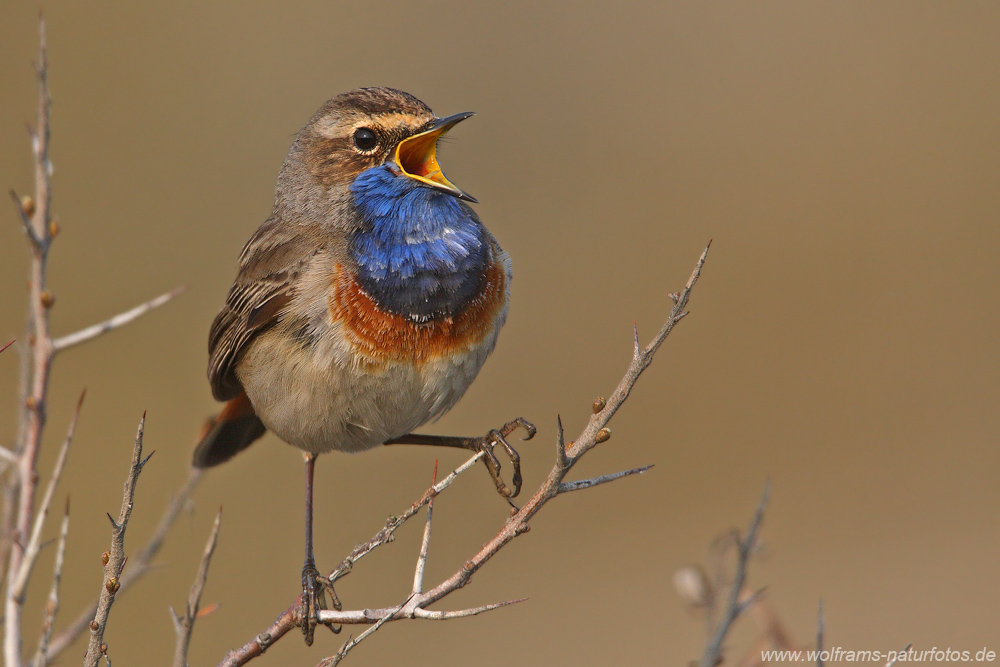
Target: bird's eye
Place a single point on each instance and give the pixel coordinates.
(365, 139)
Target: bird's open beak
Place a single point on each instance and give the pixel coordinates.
(416, 156)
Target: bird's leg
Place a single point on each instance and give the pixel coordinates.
(314, 585)
(484, 444)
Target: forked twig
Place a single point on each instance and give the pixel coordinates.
(139, 563)
(20, 523)
(567, 455)
(737, 602)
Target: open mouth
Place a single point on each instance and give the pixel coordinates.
(416, 156)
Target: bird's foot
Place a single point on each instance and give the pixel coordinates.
(314, 589)
(498, 436)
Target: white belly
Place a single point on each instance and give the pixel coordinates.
(320, 399)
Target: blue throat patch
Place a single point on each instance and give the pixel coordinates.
(421, 253)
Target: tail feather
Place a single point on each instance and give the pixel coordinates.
(228, 434)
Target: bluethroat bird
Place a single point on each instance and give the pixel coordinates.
(364, 306)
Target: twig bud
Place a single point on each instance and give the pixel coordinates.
(603, 435)
(692, 586)
(28, 205)
(31, 403)
(104, 649)
(105, 557)
(48, 300)
(599, 404)
(113, 585)
(95, 626)
(54, 229)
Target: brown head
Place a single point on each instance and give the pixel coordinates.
(357, 130)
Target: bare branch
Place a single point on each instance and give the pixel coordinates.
(92, 332)
(351, 642)
(566, 487)
(567, 455)
(425, 544)
(20, 581)
(115, 560)
(735, 605)
(288, 618)
(184, 625)
(139, 564)
(21, 524)
(52, 608)
(7, 345)
(36, 363)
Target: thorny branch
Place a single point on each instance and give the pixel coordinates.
(567, 455)
(138, 564)
(20, 524)
(114, 560)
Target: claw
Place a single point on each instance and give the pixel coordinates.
(314, 589)
(499, 437)
(511, 426)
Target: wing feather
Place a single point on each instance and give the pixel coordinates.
(270, 263)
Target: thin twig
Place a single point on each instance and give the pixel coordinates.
(566, 487)
(138, 564)
(351, 642)
(120, 320)
(568, 454)
(895, 658)
(425, 544)
(116, 557)
(52, 608)
(7, 345)
(736, 604)
(184, 625)
(35, 542)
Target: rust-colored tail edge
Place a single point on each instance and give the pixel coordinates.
(230, 432)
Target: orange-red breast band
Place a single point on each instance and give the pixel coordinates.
(226, 435)
(382, 337)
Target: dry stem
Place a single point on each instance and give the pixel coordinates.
(737, 601)
(567, 456)
(183, 626)
(139, 564)
(52, 608)
(21, 525)
(115, 559)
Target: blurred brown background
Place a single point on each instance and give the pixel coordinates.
(844, 158)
